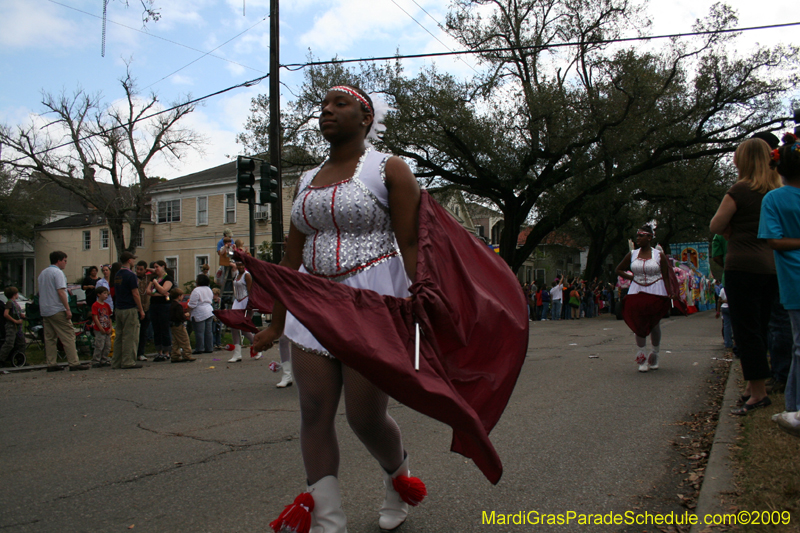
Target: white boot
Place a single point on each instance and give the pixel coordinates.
(652, 360)
(327, 516)
(286, 380)
(394, 510)
(641, 360)
(237, 354)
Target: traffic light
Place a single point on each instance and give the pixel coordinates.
(269, 184)
(245, 179)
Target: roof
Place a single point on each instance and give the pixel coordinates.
(76, 221)
(81, 220)
(553, 237)
(223, 173)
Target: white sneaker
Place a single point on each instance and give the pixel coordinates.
(652, 361)
(789, 422)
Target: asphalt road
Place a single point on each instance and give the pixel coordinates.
(214, 447)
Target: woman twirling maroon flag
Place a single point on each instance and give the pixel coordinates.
(473, 322)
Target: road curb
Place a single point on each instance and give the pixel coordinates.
(718, 478)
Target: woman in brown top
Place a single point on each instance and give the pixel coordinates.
(751, 282)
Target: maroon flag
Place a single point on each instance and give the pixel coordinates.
(472, 315)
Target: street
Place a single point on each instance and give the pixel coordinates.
(214, 447)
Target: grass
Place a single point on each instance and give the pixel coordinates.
(768, 468)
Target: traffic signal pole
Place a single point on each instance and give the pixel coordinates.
(275, 132)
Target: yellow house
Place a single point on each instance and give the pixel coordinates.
(87, 241)
(188, 216)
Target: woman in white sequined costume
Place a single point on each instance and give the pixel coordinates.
(242, 281)
(647, 300)
(354, 221)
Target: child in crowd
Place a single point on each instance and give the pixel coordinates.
(239, 246)
(101, 317)
(216, 302)
(178, 315)
(780, 226)
(13, 315)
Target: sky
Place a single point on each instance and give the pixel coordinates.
(203, 46)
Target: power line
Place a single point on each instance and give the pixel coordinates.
(429, 33)
(298, 66)
(249, 83)
(209, 52)
(157, 36)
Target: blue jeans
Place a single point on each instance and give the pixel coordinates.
(727, 332)
(217, 329)
(792, 395)
(556, 309)
(779, 342)
(545, 310)
(203, 335)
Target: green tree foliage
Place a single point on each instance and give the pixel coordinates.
(549, 129)
(23, 205)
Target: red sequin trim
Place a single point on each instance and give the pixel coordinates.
(356, 269)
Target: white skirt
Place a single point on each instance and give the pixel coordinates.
(386, 278)
(240, 305)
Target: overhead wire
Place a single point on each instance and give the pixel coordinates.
(248, 83)
(158, 37)
(209, 52)
(298, 66)
(429, 32)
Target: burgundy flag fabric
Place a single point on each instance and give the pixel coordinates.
(237, 319)
(472, 315)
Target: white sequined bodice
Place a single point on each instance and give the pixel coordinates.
(646, 271)
(347, 224)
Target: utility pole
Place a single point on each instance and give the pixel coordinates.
(275, 130)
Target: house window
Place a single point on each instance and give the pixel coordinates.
(202, 210)
(139, 240)
(479, 230)
(172, 265)
(87, 240)
(169, 211)
(199, 261)
(104, 239)
(230, 208)
(541, 275)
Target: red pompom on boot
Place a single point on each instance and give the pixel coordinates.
(401, 491)
(296, 517)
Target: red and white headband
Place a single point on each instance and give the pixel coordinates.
(355, 94)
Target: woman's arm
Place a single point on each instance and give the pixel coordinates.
(624, 267)
(784, 245)
(194, 299)
(164, 289)
(721, 223)
(248, 279)
(404, 198)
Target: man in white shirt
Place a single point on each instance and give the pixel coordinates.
(56, 316)
(556, 295)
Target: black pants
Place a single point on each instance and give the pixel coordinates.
(750, 297)
(143, 325)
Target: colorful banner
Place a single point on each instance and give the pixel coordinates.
(696, 253)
